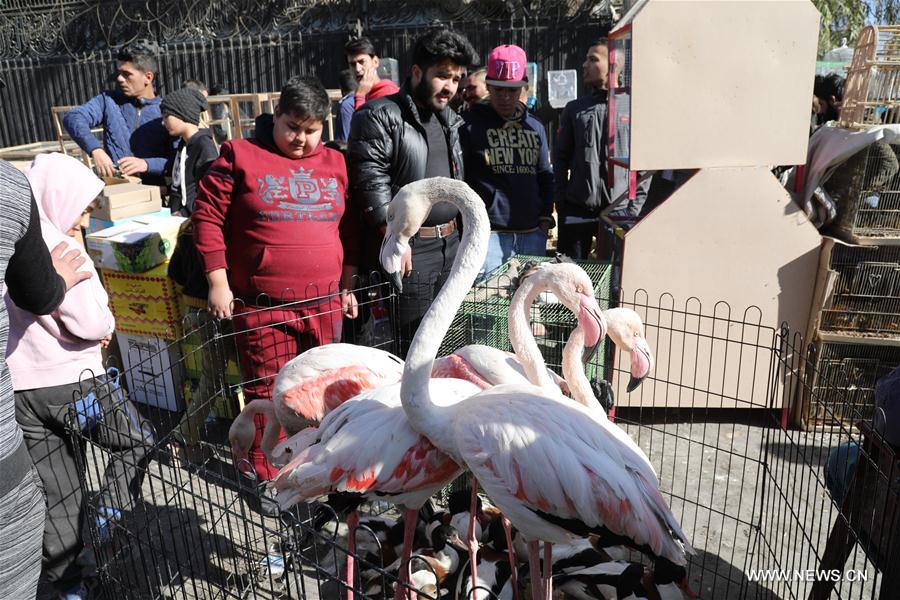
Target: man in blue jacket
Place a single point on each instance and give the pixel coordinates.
(507, 162)
(134, 139)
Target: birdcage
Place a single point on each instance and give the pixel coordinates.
(843, 377)
(750, 494)
(866, 190)
(483, 317)
(872, 90)
(865, 301)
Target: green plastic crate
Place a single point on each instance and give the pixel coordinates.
(483, 317)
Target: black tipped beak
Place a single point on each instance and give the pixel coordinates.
(633, 383)
(396, 281)
(589, 352)
(458, 544)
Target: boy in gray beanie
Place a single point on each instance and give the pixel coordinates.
(181, 116)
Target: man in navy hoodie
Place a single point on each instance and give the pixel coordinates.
(134, 139)
(507, 162)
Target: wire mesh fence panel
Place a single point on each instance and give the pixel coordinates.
(169, 515)
(828, 518)
(484, 315)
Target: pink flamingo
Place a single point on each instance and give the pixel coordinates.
(315, 382)
(554, 467)
(366, 445)
(243, 431)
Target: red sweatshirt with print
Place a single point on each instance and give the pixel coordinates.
(280, 225)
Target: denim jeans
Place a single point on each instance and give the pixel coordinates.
(503, 244)
(839, 470)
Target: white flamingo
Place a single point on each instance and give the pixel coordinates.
(320, 379)
(554, 467)
(366, 445)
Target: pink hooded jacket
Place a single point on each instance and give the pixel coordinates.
(57, 349)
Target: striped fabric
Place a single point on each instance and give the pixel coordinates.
(15, 210)
(21, 527)
(22, 508)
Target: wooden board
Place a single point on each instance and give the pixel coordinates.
(727, 235)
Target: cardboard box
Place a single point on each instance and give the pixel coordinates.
(135, 246)
(152, 371)
(144, 303)
(122, 198)
(96, 224)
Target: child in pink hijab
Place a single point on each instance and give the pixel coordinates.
(53, 360)
(55, 349)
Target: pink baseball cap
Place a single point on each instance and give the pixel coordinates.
(506, 67)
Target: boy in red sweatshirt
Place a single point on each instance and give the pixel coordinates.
(273, 230)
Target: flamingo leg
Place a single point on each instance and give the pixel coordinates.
(548, 571)
(534, 568)
(514, 576)
(352, 524)
(410, 518)
(413, 592)
(472, 542)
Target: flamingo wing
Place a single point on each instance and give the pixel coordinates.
(496, 367)
(556, 470)
(320, 379)
(367, 446)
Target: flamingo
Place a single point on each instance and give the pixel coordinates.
(486, 366)
(554, 467)
(626, 330)
(366, 444)
(623, 325)
(315, 382)
(243, 431)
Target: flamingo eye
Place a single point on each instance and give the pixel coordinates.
(579, 289)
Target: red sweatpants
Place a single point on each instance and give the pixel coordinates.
(267, 338)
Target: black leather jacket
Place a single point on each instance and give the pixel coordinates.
(388, 148)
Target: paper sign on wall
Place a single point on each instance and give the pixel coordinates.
(562, 87)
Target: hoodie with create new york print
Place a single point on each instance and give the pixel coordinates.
(282, 226)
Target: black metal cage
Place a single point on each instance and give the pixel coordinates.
(756, 498)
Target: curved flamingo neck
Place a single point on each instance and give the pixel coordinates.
(520, 335)
(573, 371)
(424, 416)
(273, 426)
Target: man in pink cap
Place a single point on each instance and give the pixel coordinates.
(507, 161)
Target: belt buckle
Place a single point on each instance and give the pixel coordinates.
(438, 233)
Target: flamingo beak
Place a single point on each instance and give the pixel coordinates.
(396, 281)
(593, 323)
(458, 544)
(392, 254)
(641, 363)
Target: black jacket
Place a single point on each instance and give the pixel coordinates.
(388, 148)
(579, 160)
(201, 152)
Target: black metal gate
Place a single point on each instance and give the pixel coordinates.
(61, 52)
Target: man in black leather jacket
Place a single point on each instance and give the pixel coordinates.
(403, 138)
